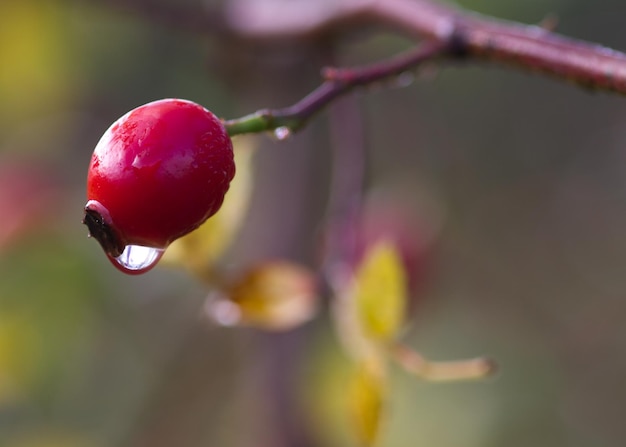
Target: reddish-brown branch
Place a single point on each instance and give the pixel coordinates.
(532, 48)
(589, 65)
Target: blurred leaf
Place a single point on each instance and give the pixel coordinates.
(52, 438)
(366, 397)
(20, 352)
(381, 292)
(349, 327)
(48, 296)
(200, 249)
(29, 198)
(276, 296)
(35, 58)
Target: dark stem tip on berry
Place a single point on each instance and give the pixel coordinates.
(103, 232)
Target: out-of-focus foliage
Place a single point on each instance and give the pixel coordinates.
(38, 65)
(52, 438)
(276, 295)
(367, 394)
(370, 313)
(380, 293)
(529, 265)
(369, 307)
(29, 194)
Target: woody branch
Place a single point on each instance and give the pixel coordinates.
(446, 31)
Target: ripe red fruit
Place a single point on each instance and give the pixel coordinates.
(155, 175)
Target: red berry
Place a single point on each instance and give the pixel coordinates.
(155, 175)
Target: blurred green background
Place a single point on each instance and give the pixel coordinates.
(526, 175)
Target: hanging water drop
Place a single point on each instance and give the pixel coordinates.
(404, 79)
(282, 133)
(137, 259)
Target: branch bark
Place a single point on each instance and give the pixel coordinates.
(478, 37)
(528, 47)
(532, 48)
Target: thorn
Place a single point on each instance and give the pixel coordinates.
(333, 74)
(549, 22)
(329, 73)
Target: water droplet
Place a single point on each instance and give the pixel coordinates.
(223, 311)
(404, 79)
(282, 133)
(137, 259)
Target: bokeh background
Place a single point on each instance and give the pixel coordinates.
(522, 177)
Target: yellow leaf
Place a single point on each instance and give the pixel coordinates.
(199, 250)
(275, 295)
(52, 437)
(380, 292)
(20, 355)
(349, 328)
(36, 61)
(366, 398)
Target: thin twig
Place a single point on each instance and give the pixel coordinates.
(337, 83)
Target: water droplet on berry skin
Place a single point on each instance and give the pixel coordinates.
(137, 259)
(282, 133)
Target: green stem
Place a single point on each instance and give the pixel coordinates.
(253, 123)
